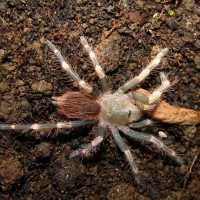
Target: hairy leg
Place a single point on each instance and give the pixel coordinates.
(90, 146)
(143, 123)
(124, 148)
(145, 72)
(66, 66)
(150, 138)
(98, 69)
(58, 125)
(165, 84)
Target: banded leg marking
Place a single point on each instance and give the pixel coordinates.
(66, 66)
(165, 84)
(160, 90)
(135, 81)
(124, 148)
(98, 69)
(150, 138)
(90, 146)
(58, 125)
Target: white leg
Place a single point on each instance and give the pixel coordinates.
(150, 138)
(98, 69)
(135, 81)
(160, 90)
(124, 148)
(66, 66)
(165, 84)
(58, 125)
(85, 151)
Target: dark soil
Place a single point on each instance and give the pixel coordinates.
(35, 165)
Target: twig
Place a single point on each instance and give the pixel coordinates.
(190, 168)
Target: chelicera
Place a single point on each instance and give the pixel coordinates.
(119, 111)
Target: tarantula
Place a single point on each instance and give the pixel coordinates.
(119, 111)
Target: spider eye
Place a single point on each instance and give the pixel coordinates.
(129, 113)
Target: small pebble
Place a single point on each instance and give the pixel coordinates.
(162, 134)
(42, 86)
(43, 150)
(190, 131)
(172, 24)
(10, 172)
(198, 26)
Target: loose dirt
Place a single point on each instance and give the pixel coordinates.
(35, 165)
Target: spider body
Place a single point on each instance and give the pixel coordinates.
(117, 111)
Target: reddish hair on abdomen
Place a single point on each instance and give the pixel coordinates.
(78, 105)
